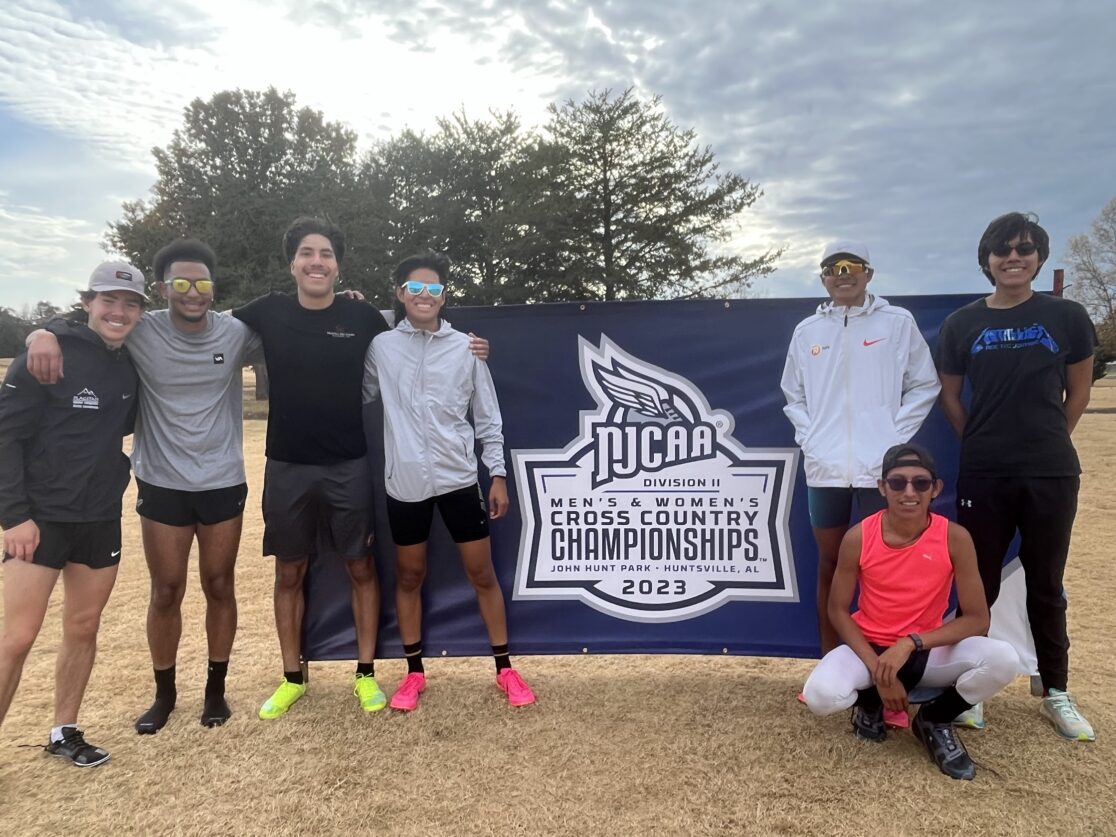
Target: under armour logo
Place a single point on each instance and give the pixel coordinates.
(965, 504)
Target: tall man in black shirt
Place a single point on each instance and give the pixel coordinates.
(1029, 360)
(317, 481)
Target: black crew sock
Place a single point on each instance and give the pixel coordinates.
(500, 654)
(945, 707)
(413, 653)
(215, 709)
(166, 694)
(869, 699)
(215, 677)
(367, 669)
(294, 676)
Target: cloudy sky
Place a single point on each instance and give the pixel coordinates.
(908, 125)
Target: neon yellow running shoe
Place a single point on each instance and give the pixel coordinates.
(368, 692)
(282, 700)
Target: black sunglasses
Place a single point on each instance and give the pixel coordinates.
(921, 484)
(1023, 248)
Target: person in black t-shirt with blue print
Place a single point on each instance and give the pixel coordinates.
(1029, 361)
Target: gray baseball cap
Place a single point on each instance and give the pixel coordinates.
(118, 276)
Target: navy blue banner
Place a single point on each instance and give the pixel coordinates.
(657, 497)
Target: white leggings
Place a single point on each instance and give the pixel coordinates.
(978, 666)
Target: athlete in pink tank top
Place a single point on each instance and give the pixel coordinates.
(905, 560)
(903, 589)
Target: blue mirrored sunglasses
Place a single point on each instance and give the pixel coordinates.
(416, 288)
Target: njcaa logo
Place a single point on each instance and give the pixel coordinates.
(654, 512)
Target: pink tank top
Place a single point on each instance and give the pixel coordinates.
(903, 590)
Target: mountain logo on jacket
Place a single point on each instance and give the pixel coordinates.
(654, 511)
(87, 400)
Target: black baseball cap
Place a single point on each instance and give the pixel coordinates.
(909, 453)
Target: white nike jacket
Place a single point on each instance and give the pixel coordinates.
(857, 381)
(430, 382)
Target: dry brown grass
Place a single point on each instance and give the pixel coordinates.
(629, 745)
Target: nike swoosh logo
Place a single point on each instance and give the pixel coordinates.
(874, 342)
(114, 554)
(126, 397)
(13, 386)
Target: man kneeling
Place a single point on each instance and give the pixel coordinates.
(906, 559)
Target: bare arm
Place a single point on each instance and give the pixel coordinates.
(883, 667)
(974, 618)
(841, 595)
(1079, 385)
(950, 399)
(498, 498)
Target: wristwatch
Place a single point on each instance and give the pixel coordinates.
(917, 640)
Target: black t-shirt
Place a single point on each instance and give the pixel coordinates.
(1015, 359)
(315, 366)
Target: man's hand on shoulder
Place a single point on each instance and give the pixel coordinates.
(44, 356)
(478, 346)
(351, 293)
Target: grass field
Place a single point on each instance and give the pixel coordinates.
(624, 745)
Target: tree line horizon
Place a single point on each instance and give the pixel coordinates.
(608, 200)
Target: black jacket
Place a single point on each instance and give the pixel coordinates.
(60, 445)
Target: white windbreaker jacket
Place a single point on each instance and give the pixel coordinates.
(857, 381)
(429, 381)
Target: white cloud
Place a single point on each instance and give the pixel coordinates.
(37, 252)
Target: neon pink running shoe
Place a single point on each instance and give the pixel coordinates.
(518, 692)
(897, 720)
(406, 697)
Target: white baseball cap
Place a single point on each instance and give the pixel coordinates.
(845, 248)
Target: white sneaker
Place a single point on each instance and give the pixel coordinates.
(972, 718)
(1060, 709)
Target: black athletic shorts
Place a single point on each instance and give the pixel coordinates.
(96, 545)
(174, 507)
(302, 501)
(463, 511)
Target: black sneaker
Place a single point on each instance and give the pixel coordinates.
(74, 747)
(944, 747)
(868, 724)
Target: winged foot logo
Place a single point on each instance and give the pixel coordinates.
(654, 512)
